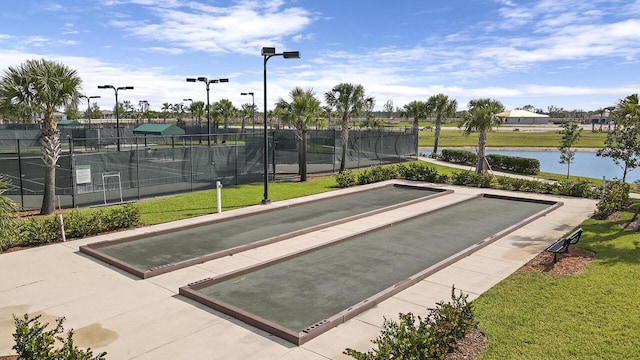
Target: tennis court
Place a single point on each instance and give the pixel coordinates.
(301, 295)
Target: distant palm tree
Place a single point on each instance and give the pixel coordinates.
(43, 86)
(224, 108)
(481, 117)
(349, 101)
(166, 108)
(442, 107)
(416, 110)
(303, 111)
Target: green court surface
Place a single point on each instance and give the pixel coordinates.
(141, 255)
(308, 289)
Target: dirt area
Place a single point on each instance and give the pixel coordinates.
(571, 263)
(471, 346)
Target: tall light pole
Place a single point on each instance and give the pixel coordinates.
(116, 89)
(190, 103)
(89, 106)
(208, 81)
(268, 53)
(253, 107)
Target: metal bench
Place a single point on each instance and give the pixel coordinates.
(562, 245)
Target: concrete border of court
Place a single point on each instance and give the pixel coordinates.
(192, 291)
(111, 310)
(94, 248)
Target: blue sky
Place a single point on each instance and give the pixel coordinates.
(570, 54)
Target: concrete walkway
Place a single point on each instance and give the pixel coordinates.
(131, 318)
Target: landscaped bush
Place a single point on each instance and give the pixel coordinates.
(614, 198)
(514, 164)
(458, 156)
(470, 178)
(419, 171)
(44, 230)
(376, 174)
(33, 341)
(417, 338)
(580, 188)
(346, 179)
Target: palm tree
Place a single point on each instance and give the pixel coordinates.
(481, 117)
(442, 107)
(165, 111)
(245, 112)
(303, 111)
(349, 101)
(225, 108)
(416, 110)
(43, 86)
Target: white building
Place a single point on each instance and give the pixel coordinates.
(518, 117)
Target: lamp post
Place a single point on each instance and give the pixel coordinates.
(190, 104)
(253, 107)
(116, 89)
(89, 106)
(268, 53)
(208, 81)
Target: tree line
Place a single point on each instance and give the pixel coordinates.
(43, 87)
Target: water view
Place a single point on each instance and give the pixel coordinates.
(584, 164)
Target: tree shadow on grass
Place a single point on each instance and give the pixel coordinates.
(612, 241)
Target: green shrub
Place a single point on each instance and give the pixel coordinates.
(458, 156)
(38, 231)
(419, 171)
(580, 188)
(614, 198)
(514, 164)
(33, 341)
(376, 174)
(346, 179)
(470, 178)
(78, 224)
(416, 338)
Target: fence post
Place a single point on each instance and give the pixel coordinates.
(20, 175)
(334, 150)
(73, 180)
(138, 166)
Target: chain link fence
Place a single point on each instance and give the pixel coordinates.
(92, 172)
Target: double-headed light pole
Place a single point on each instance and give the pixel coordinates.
(116, 89)
(253, 107)
(268, 53)
(89, 106)
(207, 82)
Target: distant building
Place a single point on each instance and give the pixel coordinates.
(522, 117)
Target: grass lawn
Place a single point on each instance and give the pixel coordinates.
(233, 197)
(509, 139)
(593, 315)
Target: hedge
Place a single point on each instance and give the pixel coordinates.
(77, 224)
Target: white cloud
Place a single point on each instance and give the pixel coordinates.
(240, 28)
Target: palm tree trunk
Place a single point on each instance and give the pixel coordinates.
(482, 162)
(50, 153)
(345, 143)
(437, 135)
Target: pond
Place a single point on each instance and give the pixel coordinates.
(585, 163)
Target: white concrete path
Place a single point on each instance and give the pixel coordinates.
(131, 318)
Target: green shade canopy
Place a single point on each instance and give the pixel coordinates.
(158, 129)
